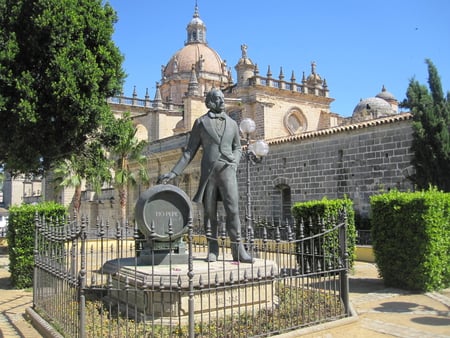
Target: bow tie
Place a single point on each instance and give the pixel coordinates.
(217, 116)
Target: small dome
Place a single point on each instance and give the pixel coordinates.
(203, 57)
(314, 78)
(372, 107)
(196, 21)
(385, 95)
(245, 61)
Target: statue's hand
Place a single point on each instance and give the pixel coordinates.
(164, 179)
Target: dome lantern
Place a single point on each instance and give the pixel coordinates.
(196, 29)
(194, 57)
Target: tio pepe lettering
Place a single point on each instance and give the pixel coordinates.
(166, 213)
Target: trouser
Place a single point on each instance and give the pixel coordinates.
(222, 182)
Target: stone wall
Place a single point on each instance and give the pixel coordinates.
(355, 161)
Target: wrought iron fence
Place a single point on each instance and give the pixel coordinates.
(100, 287)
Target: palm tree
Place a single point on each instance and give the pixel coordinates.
(126, 149)
(90, 166)
(69, 174)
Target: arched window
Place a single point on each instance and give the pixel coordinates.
(286, 203)
(141, 133)
(282, 203)
(295, 122)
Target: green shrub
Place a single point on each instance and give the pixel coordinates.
(21, 234)
(328, 210)
(411, 238)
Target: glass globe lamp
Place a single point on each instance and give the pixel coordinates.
(260, 148)
(247, 126)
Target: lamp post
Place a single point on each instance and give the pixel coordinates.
(254, 153)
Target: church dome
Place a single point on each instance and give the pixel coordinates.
(196, 54)
(370, 108)
(204, 58)
(385, 95)
(195, 62)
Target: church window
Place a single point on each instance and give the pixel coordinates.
(286, 203)
(141, 132)
(282, 204)
(295, 122)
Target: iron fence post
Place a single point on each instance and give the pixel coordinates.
(82, 280)
(191, 280)
(344, 285)
(36, 252)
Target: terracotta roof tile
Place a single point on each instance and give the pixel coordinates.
(339, 129)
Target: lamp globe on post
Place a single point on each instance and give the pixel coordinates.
(247, 127)
(260, 148)
(254, 153)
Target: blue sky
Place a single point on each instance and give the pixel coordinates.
(358, 46)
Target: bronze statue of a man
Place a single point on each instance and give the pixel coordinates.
(218, 134)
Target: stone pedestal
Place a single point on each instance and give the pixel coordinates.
(220, 288)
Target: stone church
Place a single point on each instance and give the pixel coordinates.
(314, 153)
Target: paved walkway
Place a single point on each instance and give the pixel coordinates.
(13, 304)
(387, 312)
(382, 312)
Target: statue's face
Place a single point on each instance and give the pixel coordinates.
(216, 102)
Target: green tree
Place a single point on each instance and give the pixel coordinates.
(90, 166)
(98, 171)
(67, 174)
(431, 125)
(127, 152)
(58, 64)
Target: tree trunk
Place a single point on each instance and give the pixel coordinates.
(77, 201)
(123, 196)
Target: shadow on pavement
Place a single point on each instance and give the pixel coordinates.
(432, 321)
(365, 285)
(399, 307)
(5, 283)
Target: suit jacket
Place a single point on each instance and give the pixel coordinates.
(225, 148)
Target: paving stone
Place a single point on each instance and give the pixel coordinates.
(13, 304)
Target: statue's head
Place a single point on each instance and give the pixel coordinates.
(215, 100)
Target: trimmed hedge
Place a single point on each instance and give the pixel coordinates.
(328, 210)
(21, 234)
(411, 238)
